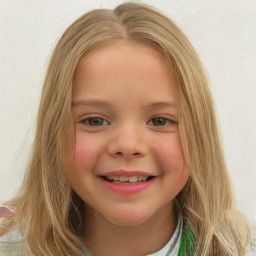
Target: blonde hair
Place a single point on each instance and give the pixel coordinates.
(49, 214)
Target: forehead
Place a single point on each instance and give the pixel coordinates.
(124, 66)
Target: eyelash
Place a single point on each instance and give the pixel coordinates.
(166, 121)
(87, 120)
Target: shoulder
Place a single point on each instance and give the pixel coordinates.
(251, 248)
(9, 243)
(12, 235)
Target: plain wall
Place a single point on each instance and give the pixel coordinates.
(223, 33)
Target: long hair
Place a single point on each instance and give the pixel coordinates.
(48, 213)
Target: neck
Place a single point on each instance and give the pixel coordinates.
(105, 238)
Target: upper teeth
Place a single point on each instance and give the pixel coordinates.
(127, 179)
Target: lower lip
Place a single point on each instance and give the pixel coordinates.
(126, 189)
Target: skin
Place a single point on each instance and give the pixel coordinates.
(115, 86)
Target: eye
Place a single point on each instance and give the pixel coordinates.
(160, 121)
(95, 121)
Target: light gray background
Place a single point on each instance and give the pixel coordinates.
(223, 33)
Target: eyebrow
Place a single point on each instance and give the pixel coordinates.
(100, 103)
(162, 104)
(90, 103)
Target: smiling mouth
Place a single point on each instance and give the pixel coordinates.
(127, 180)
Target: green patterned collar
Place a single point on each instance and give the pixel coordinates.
(186, 243)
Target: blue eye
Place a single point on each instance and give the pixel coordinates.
(91, 121)
(160, 121)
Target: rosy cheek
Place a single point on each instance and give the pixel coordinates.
(85, 151)
(169, 154)
(171, 149)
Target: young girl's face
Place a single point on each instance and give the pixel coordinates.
(127, 164)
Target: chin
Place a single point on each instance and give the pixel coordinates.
(127, 219)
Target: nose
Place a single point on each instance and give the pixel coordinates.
(128, 142)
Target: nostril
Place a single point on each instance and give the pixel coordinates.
(127, 149)
(127, 155)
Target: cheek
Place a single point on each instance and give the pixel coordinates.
(86, 150)
(169, 155)
(169, 151)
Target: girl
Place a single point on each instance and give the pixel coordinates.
(127, 158)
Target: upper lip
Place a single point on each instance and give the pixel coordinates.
(127, 173)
